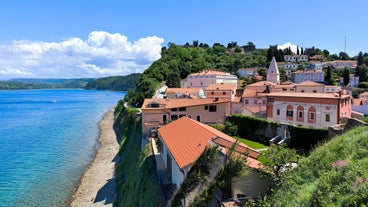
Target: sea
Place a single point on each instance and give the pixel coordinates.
(47, 140)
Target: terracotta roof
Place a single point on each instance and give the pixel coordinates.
(364, 94)
(183, 90)
(221, 86)
(262, 83)
(175, 103)
(307, 95)
(186, 139)
(253, 93)
(211, 72)
(308, 71)
(236, 99)
(357, 101)
(309, 83)
(255, 109)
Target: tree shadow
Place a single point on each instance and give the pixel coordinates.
(107, 193)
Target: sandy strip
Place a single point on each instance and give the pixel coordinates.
(97, 187)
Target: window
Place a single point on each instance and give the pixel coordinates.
(312, 115)
(327, 117)
(302, 91)
(300, 114)
(164, 118)
(174, 109)
(270, 100)
(278, 112)
(182, 109)
(289, 113)
(246, 101)
(255, 101)
(212, 108)
(314, 91)
(199, 118)
(206, 107)
(174, 117)
(264, 102)
(223, 93)
(212, 93)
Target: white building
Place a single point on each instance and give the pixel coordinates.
(296, 58)
(247, 72)
(207, 77)
(301, 76)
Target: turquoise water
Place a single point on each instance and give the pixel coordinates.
(47, 139)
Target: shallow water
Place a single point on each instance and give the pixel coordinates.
(47, 139)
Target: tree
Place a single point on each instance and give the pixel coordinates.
(360, 59)
(328, 76)
(362, 72)
(346, 76)
(326, 53)
(343, 56)
(278, 160)
(249, 47)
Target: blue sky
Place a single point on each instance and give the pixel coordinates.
(87, 38)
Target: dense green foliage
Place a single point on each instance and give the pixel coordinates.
(136, 182)
(43, 83)
(335, 174)
(114, 83)
(177, 62)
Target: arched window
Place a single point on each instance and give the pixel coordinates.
(289, 112)
(312, 115)
(300, 111)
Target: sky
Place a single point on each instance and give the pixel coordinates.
(99, 38)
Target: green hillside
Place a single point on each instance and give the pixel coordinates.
(335, 174)
(114, 83)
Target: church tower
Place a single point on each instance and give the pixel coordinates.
(273, 74)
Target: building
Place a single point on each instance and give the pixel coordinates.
(353, 81)
(301, 76)
(273, 74)
(341, 64)
(315, 66)
(296, 58)
(288, 65)
(319, 110)
(157, 112)
(184, 140)
(309, 87)
(207, 77)
(247, 72)
(185, 93)
(331, 89)
(221, 91)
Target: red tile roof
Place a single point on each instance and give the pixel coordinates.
(309, 83)
(307, 95)
(183, 90)
(221, 86)
(261, 83)
(186, 139)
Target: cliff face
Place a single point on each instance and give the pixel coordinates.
(136, 181)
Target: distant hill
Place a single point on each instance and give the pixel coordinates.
(44, 83)
(114, 83)
(335, 174)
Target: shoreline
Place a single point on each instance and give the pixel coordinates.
(97, 186)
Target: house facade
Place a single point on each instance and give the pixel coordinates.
(184, 140)
(184, 93)
(301, 76)
(288, 65)
(207, 77)
(309, 87)
(221, 91)
(157, 112)
(247, 72)
(341, 64)
(308, 109)
(295, 58)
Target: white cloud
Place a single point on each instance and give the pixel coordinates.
(102, 54)
(287, 45)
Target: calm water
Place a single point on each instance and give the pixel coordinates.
(47, 139)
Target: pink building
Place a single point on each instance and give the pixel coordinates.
(221, 91)
(157, 112)
(320, 110)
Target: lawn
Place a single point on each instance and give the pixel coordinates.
(252, 144)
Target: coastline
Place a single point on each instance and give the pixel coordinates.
(98, 184)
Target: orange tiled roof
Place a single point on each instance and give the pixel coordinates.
(307, 95)
(248, 93)
(309, 83)
(183, 90)
(357, 101)
(261, 83)
(221, 86)
(186, 139)
(364, 94)
(175, 103)
(211, 72)
(255, 109)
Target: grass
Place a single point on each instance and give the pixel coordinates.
(334, 174)
(252, 144)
